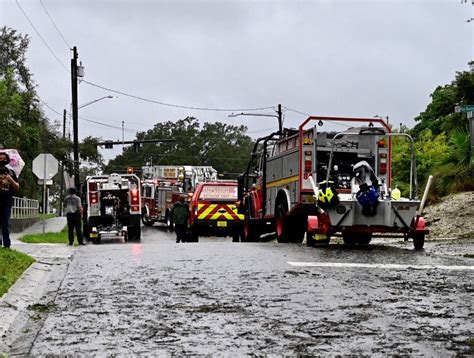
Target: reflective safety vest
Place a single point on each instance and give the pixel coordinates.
(327, 196)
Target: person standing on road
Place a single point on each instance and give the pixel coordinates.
(73, 210)
(8, 185)
(180, 215)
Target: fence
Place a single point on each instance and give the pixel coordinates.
(24, 208)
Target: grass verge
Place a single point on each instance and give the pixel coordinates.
(48, 238)
(12, 265)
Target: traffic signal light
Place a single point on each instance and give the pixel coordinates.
(129, 170)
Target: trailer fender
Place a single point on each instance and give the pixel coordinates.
(419, 225)
(313, 223)
(319, 224)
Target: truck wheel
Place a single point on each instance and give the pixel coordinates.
(419, 241)
(194, 235)
(249, 230)
(125, 236)
(86, 231)
(134, 233)
(236, 234)
(281, 223)
(145, 218)
(169, 221)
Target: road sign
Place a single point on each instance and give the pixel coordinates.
(48, 182)
(467, 108)
(45, 166)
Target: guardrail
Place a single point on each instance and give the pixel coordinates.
(24, 208)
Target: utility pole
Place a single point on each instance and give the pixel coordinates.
(123, 137)
(75, 117)
(280, 120)
(61, 193)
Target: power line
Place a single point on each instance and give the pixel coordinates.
(308, 115)
(52, 21)
(130, 130)
(175, 105)
(41, 37)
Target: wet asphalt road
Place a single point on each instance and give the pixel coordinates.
(222, 298)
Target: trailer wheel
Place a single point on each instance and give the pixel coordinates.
(419, 241)
(281, 223)
(348, 238)
(296, 229)
(364, 239)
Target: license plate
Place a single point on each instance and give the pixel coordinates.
(222, 223)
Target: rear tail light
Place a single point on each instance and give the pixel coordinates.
(135, 196)
(308, 165)
(383, 168)
(381, 143)
(92, 186)
(93, 198)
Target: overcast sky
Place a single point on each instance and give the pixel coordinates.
(348, 58)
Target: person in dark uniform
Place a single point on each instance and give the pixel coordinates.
(8, 185)
(73, 210)
(180, 215)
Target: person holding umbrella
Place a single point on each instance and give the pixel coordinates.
(8, 185)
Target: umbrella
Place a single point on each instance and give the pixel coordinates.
(16, 163)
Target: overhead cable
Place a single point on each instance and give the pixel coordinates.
(308, 115)
(175, 105)
(41, 37)
(54, 24)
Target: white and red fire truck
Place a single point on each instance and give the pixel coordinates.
(112, 207)
(319, 183)
(162, 186)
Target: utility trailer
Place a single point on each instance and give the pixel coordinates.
(292, 173)
(113, 207)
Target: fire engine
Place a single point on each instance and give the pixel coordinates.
(112, 207)
(213, 210)
(305, 181)
(162, 186)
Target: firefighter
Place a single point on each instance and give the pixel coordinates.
(180, 215)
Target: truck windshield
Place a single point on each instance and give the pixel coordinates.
(218, 192)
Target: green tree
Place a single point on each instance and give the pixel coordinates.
(455, 171)
(225, 147)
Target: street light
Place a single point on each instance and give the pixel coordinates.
(278, 116)
(96, 100)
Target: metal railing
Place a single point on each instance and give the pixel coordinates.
(24, 208)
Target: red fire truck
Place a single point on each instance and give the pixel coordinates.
(319, 183)
(214, 212)
(163, 184)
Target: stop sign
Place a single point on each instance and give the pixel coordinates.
(45, 166)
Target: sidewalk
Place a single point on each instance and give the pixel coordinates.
(38, 283)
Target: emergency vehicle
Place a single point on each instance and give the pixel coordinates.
(305, 181)
(213, 210)
(112, 207)
(162, 186)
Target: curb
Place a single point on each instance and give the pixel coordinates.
(38, 285)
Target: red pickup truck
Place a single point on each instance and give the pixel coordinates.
(214, 211)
